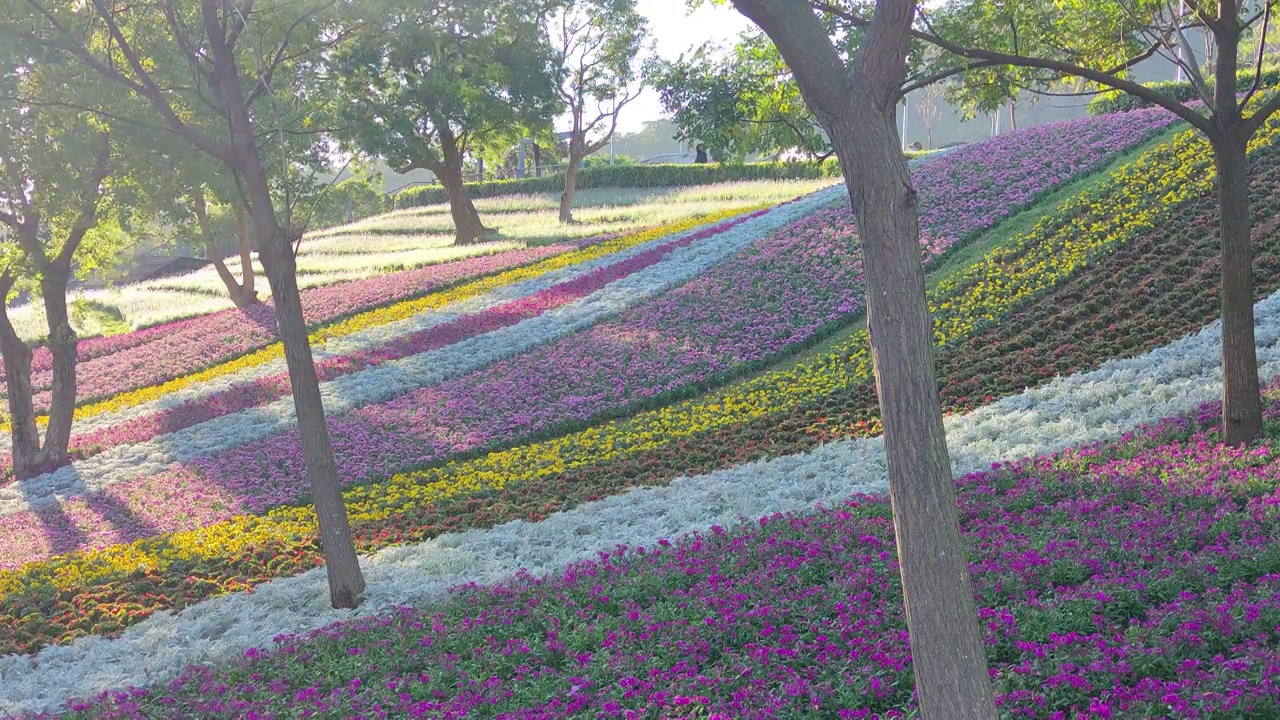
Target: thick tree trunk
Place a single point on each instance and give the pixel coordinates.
(466, 221)
(570, 186)
(467, 227)
(1241, 396)
(62, 346)
(946, 648)
(24, 433)
(857, 106)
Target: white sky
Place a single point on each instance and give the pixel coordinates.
(677, 31)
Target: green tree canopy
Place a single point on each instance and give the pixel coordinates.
(422, 85)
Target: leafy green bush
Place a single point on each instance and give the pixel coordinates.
(1116, 101)
(638, 176)
(365, 200)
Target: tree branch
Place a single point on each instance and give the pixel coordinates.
(1257, 67)
(88, 214)
(1195, 119)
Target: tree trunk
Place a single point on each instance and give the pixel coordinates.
(24, 433)
(1241, 396)
(570, 186)
(346, 581)
(857, 106)
(241, 295)
(467, 226)
(946, 647)
(62, 346)
(1013, 116)
(246, 255)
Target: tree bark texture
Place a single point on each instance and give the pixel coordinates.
(1241, 394)
(24, 433)
(31, 455)
(857, 107)
(467, 226)
(346, 581)
(62, 347)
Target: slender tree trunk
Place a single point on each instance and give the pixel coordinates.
(1241, 395)
(570, 186)
(62, 347)
(24, 433)
(346, 581)
(245, 236)
(1013, 116)
(241, 295)
(946, 648)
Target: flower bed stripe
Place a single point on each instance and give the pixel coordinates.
(392, 313)
(374, 335)
(1086, 408)
(184, 346)
(150, 460)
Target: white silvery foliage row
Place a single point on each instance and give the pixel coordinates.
(1082, 408)
(388, 380)
(375, 336)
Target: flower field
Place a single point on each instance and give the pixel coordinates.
(1168, 605)
(519, 416)
(136, 514)
(790, 286)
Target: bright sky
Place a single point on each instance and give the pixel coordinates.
(677, 31)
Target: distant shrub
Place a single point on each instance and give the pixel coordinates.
(630, 176)
(358, 193)
(1116, 101)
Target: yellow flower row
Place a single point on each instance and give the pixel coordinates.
(402, 310)
(986, 290)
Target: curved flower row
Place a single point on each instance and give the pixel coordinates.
(1085, 408)
(408, 507)
(1168, 606)
(382, 344)
(145, 472)
(392, 313)
(938, 242)
(373, 333)
(184, 346)
(320, 304)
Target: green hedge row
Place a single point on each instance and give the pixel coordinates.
(1116, 101)
(638, 176)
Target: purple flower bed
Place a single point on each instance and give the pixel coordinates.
(155, 355)
(769, 299)
(974, 186)
(1139, 579)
